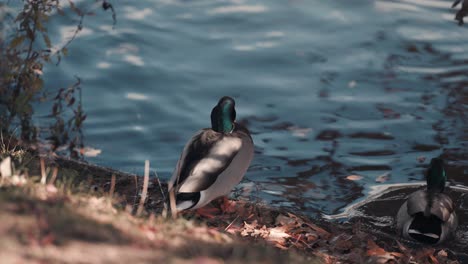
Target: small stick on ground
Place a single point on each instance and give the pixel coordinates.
(43, 172)
(112, 186)
(145, 188)
(227, 227)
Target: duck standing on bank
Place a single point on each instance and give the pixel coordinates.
(429, 215)
(214, 160)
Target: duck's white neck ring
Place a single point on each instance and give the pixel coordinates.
(233, 127)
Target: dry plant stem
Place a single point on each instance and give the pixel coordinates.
(162, 192)
(172, 202)
(136, 190)
(112, 187)
(145, 188)
(43, 172)
(54, 175)
(227, 227)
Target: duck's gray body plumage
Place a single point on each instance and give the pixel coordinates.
(211, 165)
(435, 228)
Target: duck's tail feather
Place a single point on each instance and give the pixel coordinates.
(185, 201)
(425, 229)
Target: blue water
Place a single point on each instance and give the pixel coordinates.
(327, 88)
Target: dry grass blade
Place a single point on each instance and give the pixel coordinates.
(172, 202)
(112, 186)
(161, 189)
(227, 227)
(43, 172)
(145, 188)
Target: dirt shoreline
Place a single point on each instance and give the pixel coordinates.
(246, 233)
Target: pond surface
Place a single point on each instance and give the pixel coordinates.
(327, 88)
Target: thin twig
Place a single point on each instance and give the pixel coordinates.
(161, 189)
(145, 188)
(112, 187)
(227, 227)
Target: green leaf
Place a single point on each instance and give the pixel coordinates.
(17, 41)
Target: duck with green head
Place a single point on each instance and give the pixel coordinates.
(214, 160)
(429, 215)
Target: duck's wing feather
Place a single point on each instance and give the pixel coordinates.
(205, 156)
(417, 202)
(442, 207)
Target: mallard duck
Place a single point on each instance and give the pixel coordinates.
(214, 160)
(429, 215)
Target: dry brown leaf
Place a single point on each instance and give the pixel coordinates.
(277, 235)
(374, 249)
(320, 231)
(353, 177)
(442, 253)
(433, 259)
(90, 152)
(285, 220)
(383, 178)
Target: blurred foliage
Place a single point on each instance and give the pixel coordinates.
(25, 48)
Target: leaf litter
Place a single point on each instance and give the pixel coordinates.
(332, 244)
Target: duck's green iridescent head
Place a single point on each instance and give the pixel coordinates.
(436, 176)
(223, 115)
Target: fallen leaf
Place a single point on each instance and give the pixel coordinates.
(5, 167)
(442, 253)
(90, 152)
(320, 231)
(354, 177)
(284, 220)
(374, 249)
(277, 235)
(383, 178)
(433, 259)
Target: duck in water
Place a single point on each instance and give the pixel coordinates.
(429, 215)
